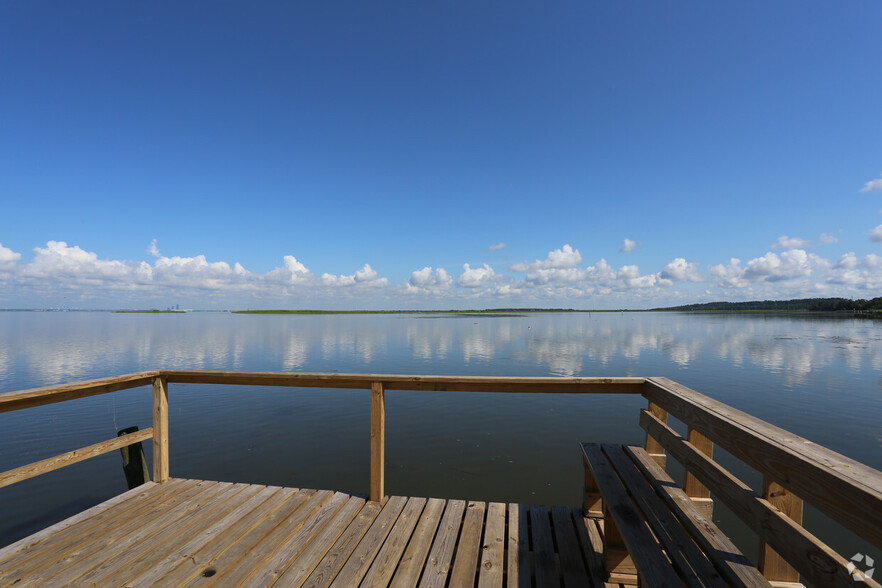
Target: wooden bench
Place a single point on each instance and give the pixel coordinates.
(653, 533)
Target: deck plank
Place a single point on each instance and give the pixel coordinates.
(65, 535)
(363, 555)
(177, 534)
(493, 547)
(205, 558)
(411, 565)
(236, 555)
(309, 558)
(572, 566)
(299, 541)
(219, 533)
(239, 516)
(336, 558)
(261, 549)
(380, 572)
(111, 550)
(79, 537)
(469, 548)
(518, 570)
(33, 541)
(543, 548)
(591, 545)
(438, 564)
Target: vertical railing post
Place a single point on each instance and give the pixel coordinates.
(694, 489)
(160, 429)
(774, 567)
(653, 447)
(378, 442)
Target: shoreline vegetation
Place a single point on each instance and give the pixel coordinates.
(154, 311)
(838, 306)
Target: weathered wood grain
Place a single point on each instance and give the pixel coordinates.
(438, 564)
(160, 426)
(21, 399)
(493, 548)
(381, 570)
(336, 558)
(651, 563)
(691, 563)
(360, 560)
(518, 571)
(310, 557)
(730, 562)
(411, 565)
(572, 566)
(469, 546)
(773, 566)
(244, 556)
(378, 442)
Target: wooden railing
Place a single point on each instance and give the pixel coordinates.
(376, 383)
(793, 468)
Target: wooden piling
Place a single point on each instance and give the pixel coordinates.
(134, 462)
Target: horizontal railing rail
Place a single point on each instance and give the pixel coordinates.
(414, 383)
(10, 401)
(45, 466)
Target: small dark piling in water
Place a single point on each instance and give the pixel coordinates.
(134, 463)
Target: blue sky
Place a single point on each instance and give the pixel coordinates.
(346, 155)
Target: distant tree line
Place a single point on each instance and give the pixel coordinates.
(802, 304)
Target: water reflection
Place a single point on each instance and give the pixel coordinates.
(47, 348)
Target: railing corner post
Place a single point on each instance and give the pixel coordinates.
(160, 429)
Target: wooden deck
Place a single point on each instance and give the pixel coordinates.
(191, 532)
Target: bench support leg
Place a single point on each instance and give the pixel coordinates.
(593, 504)
(618, 561)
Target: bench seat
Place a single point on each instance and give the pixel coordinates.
(654, 534)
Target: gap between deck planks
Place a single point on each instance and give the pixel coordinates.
(195, 533)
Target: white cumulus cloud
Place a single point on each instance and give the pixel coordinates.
(57, 259)
(876, 234)
(8, 258)
(291, 272)
(565, 257)
(730, 275)
(827, 239)
(366, 275)
(680, 270)
(497, 247)
(791, 264)
(629, 245)
(785, 242)
(426, 279)
(872, 185)
(153, 250)
(475, 277)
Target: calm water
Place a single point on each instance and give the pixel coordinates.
(818, 377)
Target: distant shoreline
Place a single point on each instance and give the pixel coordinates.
(813, 306)
(150, 311)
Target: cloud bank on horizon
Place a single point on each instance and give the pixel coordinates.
(60, 274)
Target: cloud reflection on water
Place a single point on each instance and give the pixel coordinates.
(47, 348)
